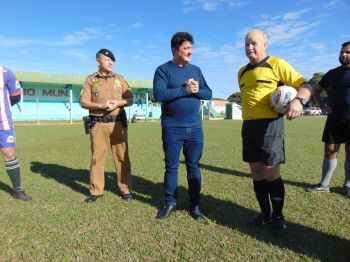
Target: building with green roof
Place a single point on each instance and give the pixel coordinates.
(56, 97)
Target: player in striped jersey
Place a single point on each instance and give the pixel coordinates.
(10, 94)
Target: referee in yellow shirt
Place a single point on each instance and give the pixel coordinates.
(263, 128)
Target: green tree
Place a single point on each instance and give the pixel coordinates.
(313, 82)
(316, 78)
(235, 97)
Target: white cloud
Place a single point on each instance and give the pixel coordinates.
(317, 63)
(80, 36)
(71, 39)
(8, 42)
(318, 46)
(76, 53)
(287, 28)
(325, 58)
(206, 52)
(225, 54)
(211, 5)
(293, 15)
(331, 3)
(151, 46)
(284, 17)
(336, 4)
(294, 36)
(289, 32)
(136, 25)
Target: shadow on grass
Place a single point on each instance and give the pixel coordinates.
(6, 188)
(301, 239)
(71, 177)
(337, 190)
(242, 174)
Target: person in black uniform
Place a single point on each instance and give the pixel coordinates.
(337, 128)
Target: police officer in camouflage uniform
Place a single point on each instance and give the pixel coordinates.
(105, 94)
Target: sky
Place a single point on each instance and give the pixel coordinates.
(63, 36)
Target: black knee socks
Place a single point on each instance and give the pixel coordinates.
(276, 191)
(12, 169)
(262, 195)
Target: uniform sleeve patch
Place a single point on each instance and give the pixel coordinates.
(18, 85)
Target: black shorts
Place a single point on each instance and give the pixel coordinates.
(263, 141)
(336, 131)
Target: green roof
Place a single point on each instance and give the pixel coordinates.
(44, 78)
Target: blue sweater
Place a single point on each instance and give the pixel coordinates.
(179, 109)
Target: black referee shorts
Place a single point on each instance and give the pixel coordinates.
(336, 131)
(263, 141)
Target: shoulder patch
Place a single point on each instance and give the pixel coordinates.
(94, 74)
(129, 88)
(82, 89)
(120, 76)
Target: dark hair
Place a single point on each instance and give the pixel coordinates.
(180, 37)
(345, 44)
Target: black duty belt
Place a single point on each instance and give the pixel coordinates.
(106, 119)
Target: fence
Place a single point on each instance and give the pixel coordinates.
(69, 110)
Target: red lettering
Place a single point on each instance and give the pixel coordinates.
(29, 91)
(53, 92)
(64, 93)
(47, 93)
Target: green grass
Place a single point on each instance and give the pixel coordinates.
(57, 225)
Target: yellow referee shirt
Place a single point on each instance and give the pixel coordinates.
(257, 82)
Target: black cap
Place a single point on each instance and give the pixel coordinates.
(345, 44)
(105, 52)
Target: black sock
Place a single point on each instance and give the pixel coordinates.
(262, 195)
(12, 169)
(276, 190)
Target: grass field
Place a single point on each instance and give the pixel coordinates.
(58, 226)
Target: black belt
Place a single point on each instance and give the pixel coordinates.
(106, 119)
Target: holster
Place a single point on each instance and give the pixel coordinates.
(88, 124)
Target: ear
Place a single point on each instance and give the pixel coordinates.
(98, 62)
(173, 50)
(266, 44)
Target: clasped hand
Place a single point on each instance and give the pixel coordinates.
(110, 105)
(192, 86)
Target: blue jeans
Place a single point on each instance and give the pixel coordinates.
(191, 140)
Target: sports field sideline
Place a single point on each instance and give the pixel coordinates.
(57, 225)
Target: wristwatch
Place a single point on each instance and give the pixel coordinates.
(302, 101)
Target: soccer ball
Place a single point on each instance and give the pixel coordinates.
(281, 98)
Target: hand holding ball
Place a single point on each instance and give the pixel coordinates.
(281, 98)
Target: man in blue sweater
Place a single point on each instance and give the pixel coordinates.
(180, 86)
